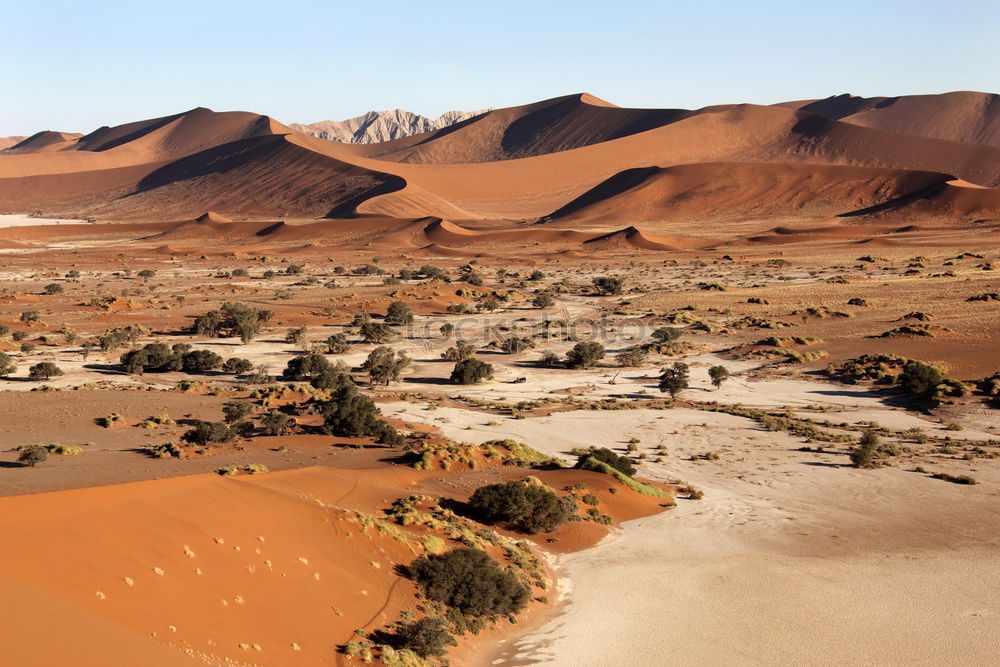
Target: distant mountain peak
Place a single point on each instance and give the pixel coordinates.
(378, 126)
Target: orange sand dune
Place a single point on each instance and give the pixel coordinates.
(522, 163)
(740, 191)
(203, 563)
(46, 140)
(964, 116)
(545, 127)
(142, 142)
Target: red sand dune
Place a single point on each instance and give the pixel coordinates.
(964, 116)
(594, 164)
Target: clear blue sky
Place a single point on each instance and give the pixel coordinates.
(73, 65)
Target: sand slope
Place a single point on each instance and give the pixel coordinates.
(204, 563)
(964, 116)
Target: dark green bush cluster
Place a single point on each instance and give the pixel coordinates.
(470, 581)
(233, 319)
(349, 414)
(471, 371)
(162, 358)
(205, 433)
(526, 507)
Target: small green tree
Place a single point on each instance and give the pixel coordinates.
(674, 379)
(622, 464)
(384, 365)
(45, 370)
(205, 433)
(543, 300)
(585, 354)
(337, 344)
(460, 352)
(398, 314)
(276, 423)
(237, 366)
(376, 332)
(718, 375)
(867, 453)
(471, 371)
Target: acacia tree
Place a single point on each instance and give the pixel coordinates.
(384, 365)
(718, 375)
(45, 370)
(674, 379)
(585, 354)
(471, 371)
(398, 314)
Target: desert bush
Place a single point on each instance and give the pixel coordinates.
(918, 377)
(632, 357)
(237, 366)
(550, 359)
(53, 288)
(515, 344)
(337, 344)
(376, 332)
(585, 354)
(32, 455)
(349, 414)
(674, 379)
(620, 463)
(471, 371)
(6, 365)
(205, 433)
(306, 367)
(276, 423)
(45, 370)
(460, 352)
(526, 507)
(427, 637)
(398, 314)
(471, 582)
(200, 361)
(608, 285)
(385, 365)
(718, 375)
(543, 300)
(955, 479)
(236, 411)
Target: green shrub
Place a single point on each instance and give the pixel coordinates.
(622, 464)
(471, 582)
(526, 507)
(471, 371)
(427, 637)
(205, 433)
(585, 354)
(32, 455)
